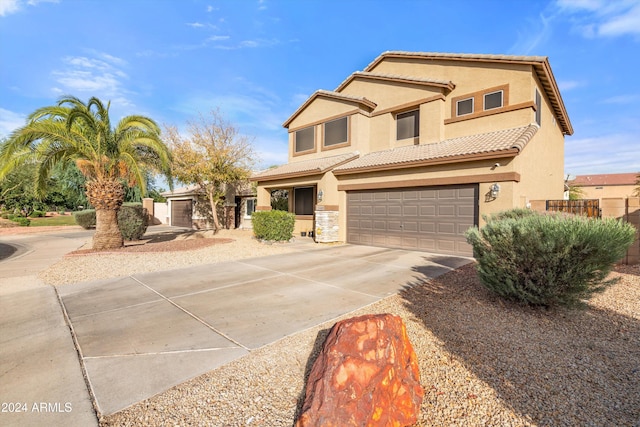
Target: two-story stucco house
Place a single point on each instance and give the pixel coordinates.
(412, 151)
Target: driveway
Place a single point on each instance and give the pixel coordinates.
(142, 334)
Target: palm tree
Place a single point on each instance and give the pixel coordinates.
(72, 131)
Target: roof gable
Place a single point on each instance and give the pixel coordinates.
(539, 63)
(445, 84)
(360, 101)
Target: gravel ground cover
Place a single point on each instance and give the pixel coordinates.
(483, 362)
(227, 245)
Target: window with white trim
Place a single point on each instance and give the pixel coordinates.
(464, 107)
(249, 207)
(493, 100)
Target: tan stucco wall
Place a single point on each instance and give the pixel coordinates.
(607, 191)
(539, 167)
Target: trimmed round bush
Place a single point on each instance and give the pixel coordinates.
(133, 221)
(86, 218)
(273, 225)
(548, 259)
(37, 214)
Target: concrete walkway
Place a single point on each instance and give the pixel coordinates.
(41, 380)
(140, 335)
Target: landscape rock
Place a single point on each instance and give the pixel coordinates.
(366, 375)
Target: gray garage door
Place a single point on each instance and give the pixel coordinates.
(181, 213)
(430, 219)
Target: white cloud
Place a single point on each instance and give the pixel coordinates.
(8, 7)
(597, 154)
(9, 121)
(195, 24)
(566, 85)
(97, 75)
(622, 99)
(603, 18)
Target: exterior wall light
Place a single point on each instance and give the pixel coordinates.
(495, 190)
(320, 195)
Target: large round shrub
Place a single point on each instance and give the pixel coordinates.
(548, 259)
(273, 225)
(132, 220)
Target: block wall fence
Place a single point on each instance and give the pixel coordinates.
(627, 210)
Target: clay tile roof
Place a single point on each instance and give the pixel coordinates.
(304, 168)
(606, 179)
(396, 78)
(540, 65)
(496, 144)
(360, 100)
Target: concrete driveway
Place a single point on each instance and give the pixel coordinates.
(142, 334)
(136, 336)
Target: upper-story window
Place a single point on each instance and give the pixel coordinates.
(493, 100)
(336, 132)
(464, 106)
(408, 124)
(481, 103)
(304, 140)
(538, 108)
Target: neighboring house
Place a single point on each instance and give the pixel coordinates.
(415, 149)
(187, 207)
(614, 185)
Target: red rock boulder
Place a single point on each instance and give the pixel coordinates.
(366, 375)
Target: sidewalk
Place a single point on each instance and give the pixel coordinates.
(41, 380)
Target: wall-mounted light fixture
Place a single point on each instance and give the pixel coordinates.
(320, 195)
(495, 190)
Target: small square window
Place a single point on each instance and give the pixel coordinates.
(464, 107)
(408, 125)
(305, 140)
(336, 132)
(493, 100)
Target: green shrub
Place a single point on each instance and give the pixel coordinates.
(22, 221)
(133, 221)
(5, 216)
(37, 214)
(546, 259)
(86, 218)
(273, 225)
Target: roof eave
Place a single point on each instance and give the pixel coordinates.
(512, 152)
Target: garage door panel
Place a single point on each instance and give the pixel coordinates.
(394, 210)
(446, 210)
(429, 218)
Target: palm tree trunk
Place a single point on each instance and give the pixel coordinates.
(106, 197)
(107, 234)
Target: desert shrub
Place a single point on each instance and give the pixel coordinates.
(22, 221)
(86, 218)
(133, 221)
(37, 214)
(548, 259)
(5, 216)
(273, 225)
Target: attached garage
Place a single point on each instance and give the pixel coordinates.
(181, 213)
(431, 219)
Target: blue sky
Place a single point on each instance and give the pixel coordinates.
(259, 60)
